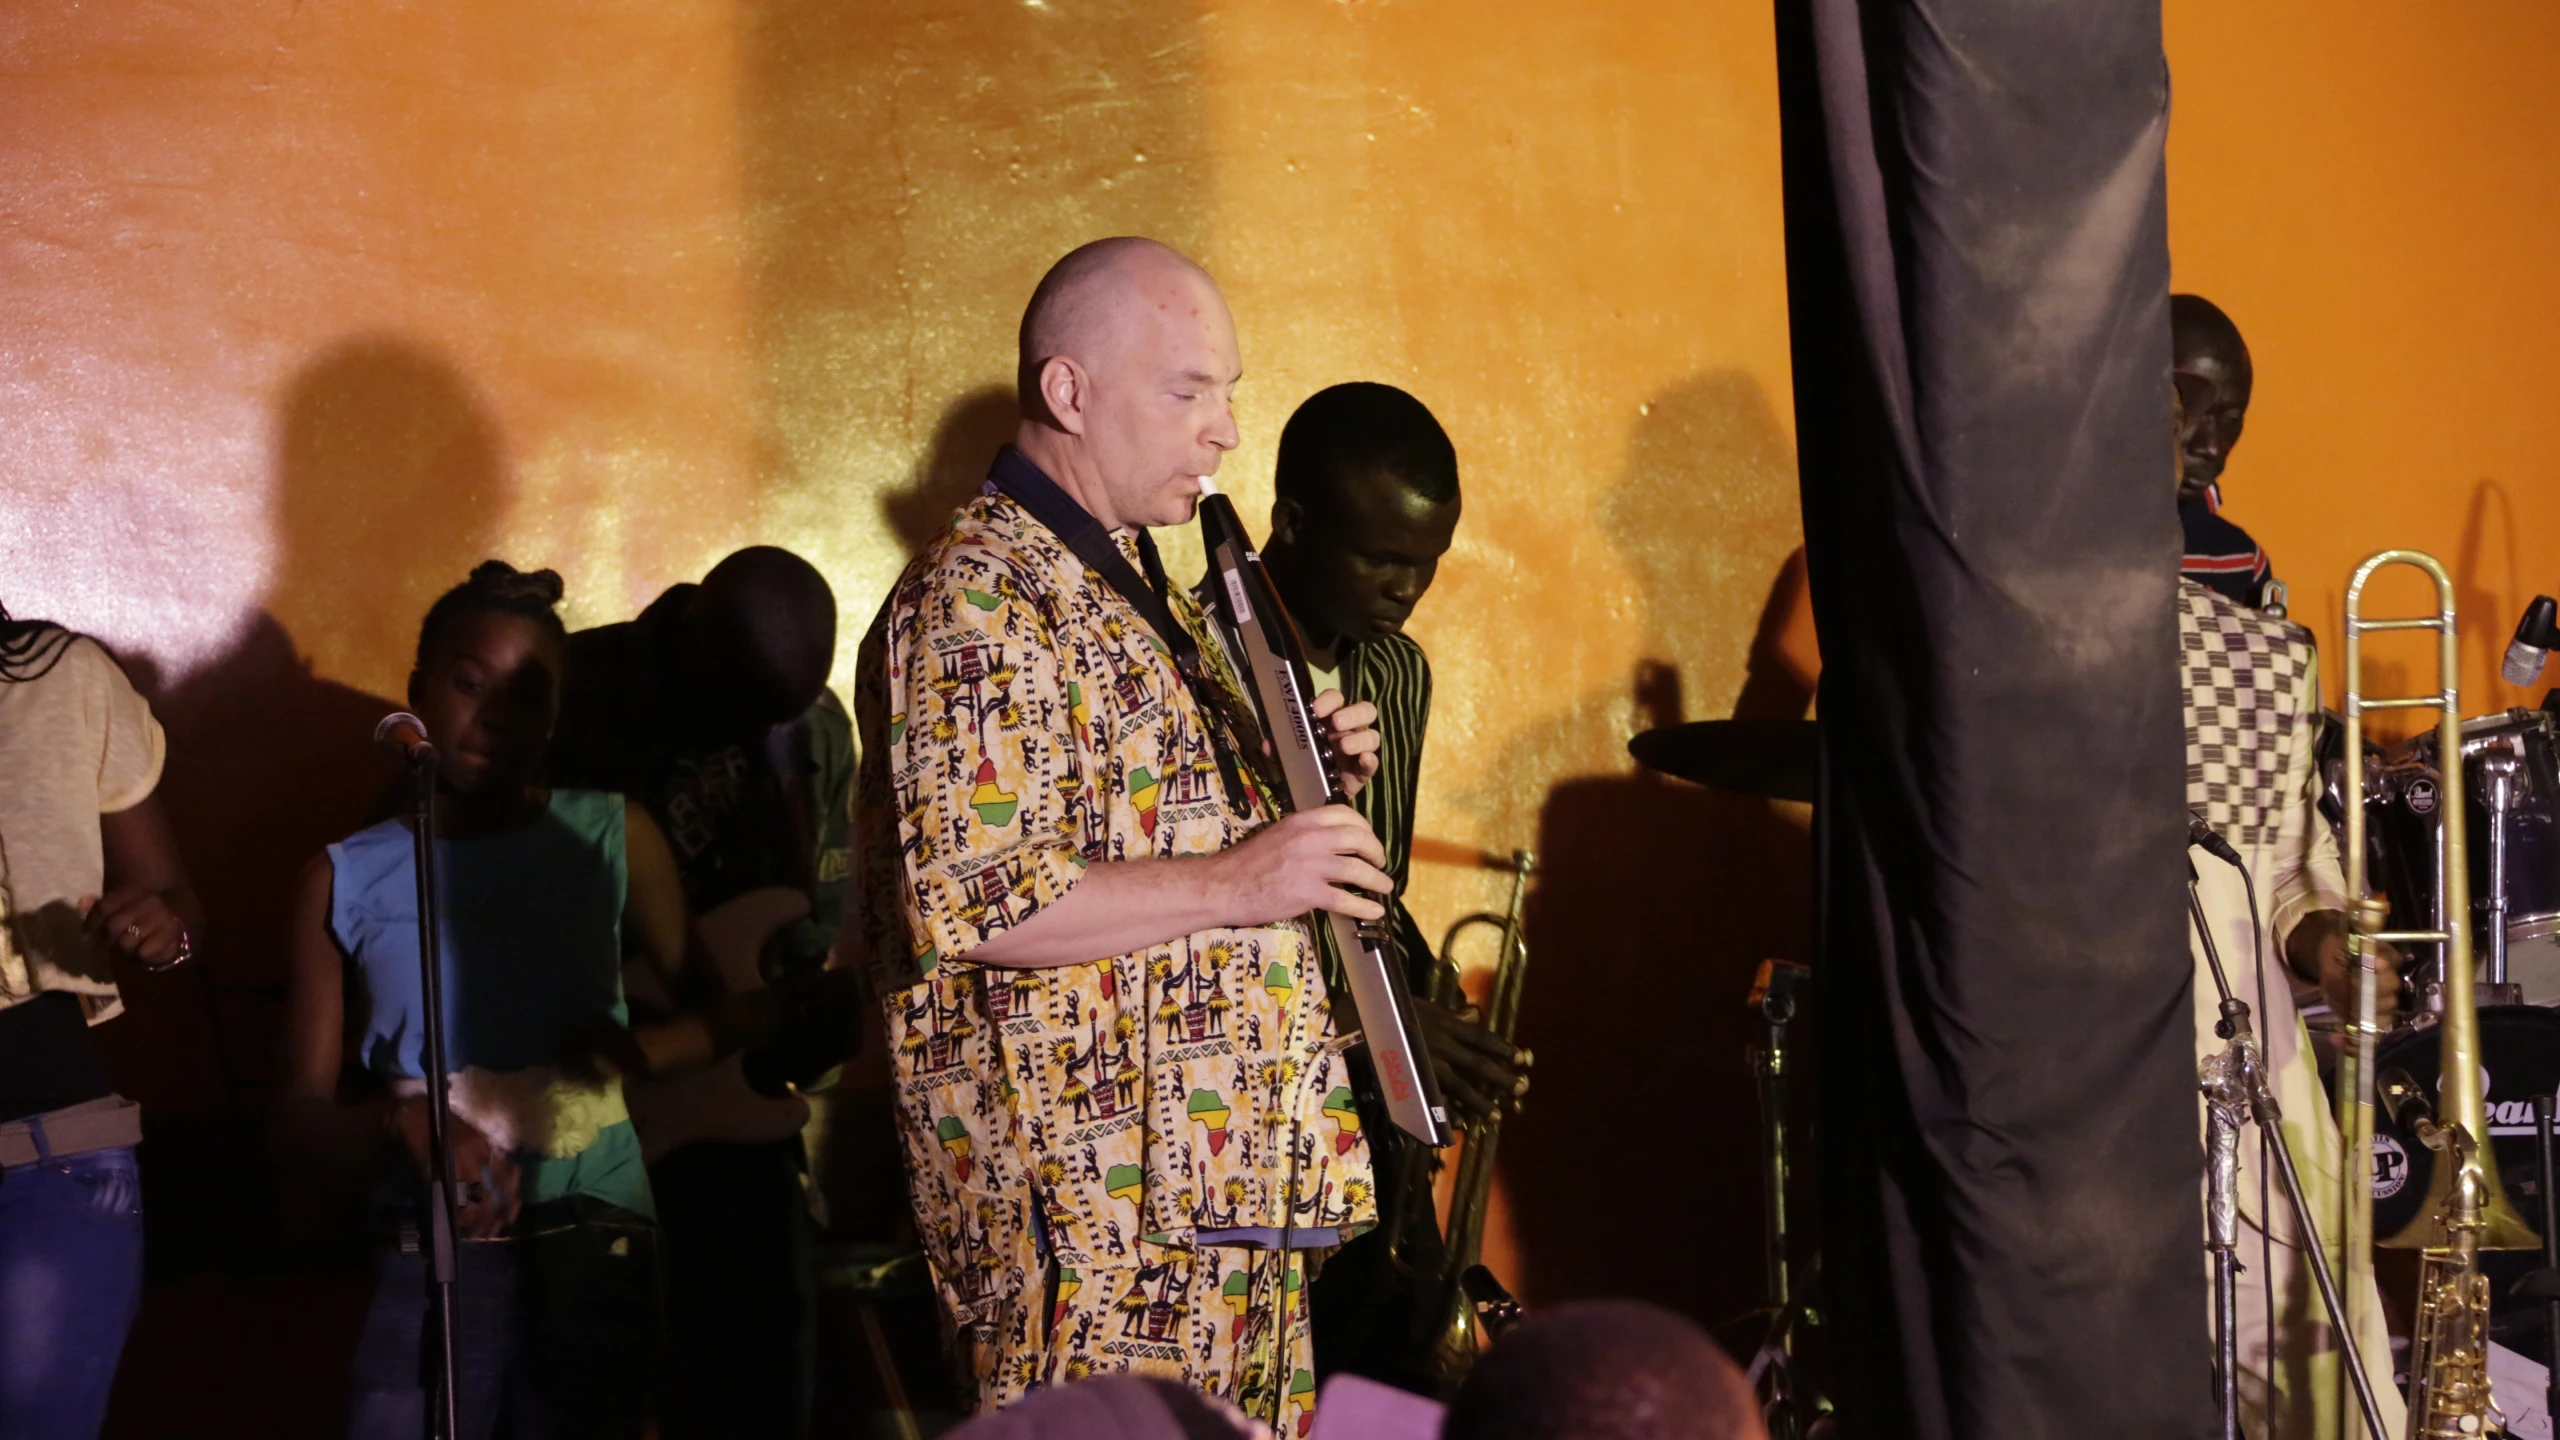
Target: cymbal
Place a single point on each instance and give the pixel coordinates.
(1773, 759)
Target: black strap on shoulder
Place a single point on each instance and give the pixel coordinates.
(1017, 477)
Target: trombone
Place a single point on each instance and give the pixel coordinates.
(2465, 1210)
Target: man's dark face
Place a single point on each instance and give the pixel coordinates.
(731, 687)
(1358, 561)
(2213, 388)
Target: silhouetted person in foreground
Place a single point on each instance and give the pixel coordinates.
(712, 711)
(1605, 1370)
(2210, 363)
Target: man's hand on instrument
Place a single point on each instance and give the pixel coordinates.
(1479, 1072)
(1321, 859)
(1353, 731)
(484, 1178)
(2317, 950)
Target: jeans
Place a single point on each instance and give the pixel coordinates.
(70, 1282)
(555, 1335)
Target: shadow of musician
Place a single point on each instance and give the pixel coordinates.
(1633, 1171)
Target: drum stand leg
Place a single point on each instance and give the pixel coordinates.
(2233, 1080)
(1772, 1366)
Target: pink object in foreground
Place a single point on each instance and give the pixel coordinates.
(1352, 1408)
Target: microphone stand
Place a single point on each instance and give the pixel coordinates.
(2235, 1090)
(443, 1242)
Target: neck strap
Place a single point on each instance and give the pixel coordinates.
(1015, 476)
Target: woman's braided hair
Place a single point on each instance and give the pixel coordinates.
(495, 588)
(29, 649)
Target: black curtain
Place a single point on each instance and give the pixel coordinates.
(1978, 271)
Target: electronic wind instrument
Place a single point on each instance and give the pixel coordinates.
(1247, 606)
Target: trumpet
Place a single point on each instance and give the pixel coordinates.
(2466, 1210)
(1468, 1305)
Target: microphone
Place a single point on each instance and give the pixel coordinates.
(405, 735)
(2205, 837)
(2537, 635)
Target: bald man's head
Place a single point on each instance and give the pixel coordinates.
(755, 641)
(1604, 1370)
(1128, 360)
(1075, 305)
(2210, 363)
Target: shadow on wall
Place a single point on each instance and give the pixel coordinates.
(2491, 590)
(389, 471)
(965, 443)
(1632, 1172)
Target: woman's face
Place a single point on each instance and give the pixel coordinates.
(490, 695)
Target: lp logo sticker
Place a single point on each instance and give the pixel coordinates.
(2390, 1167)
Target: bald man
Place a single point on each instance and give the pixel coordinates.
(1124, 1112)
(2210, 363)
(712, 710)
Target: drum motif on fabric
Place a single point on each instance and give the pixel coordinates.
(2253, 670)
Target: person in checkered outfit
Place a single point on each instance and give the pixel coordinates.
(2252, 714)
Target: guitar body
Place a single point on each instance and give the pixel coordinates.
(715, 1102)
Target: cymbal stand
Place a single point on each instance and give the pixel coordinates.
(2235, 1088)
(1773, 997)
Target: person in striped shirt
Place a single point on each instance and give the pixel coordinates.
(2210, 364)
(1365, 503)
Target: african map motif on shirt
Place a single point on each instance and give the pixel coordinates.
(1021, 722)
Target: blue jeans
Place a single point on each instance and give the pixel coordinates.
(70, 1282)
(555, 1337)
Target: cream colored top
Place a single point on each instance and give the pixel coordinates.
(75, 743)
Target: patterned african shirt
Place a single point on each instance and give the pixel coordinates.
(1020, 721)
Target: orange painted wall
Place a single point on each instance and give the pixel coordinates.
(2372, 196)
(313, 303)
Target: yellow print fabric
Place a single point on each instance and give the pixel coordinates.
(1021, 722)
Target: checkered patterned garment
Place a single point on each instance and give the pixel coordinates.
(2248, 688)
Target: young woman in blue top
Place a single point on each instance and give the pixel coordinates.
(542, 894)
